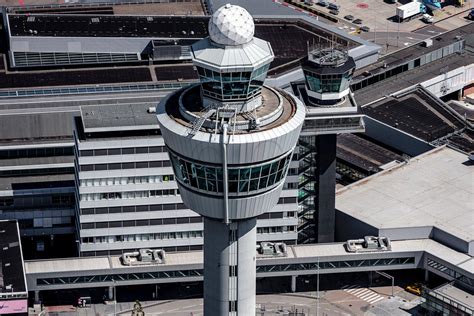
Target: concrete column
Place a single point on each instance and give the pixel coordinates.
(325, 188)
(293, 283)
(229, 267)
(37, 297)
(427, 276)
(111, 293)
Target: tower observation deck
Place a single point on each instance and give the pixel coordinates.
(230, 141)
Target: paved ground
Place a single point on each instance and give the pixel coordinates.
(350, 300)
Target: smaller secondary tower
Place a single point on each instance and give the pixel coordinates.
(331, 110)
(230, 140)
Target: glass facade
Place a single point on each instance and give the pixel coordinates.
(332, 83)
(232, 85)
(245, 180)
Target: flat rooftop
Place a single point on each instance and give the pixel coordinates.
(416, 112)
(102, 118)
(432, 190)
(11, 258)
(37, 182)
(364, 154)
(457, 295)
(412, 77)
(412, 52)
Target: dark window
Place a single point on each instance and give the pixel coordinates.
(128, 151)
(195, 219)
(156, 221)
(115, 209)
(128, 223)
(276, 215)
(86, 211)
(101, 210)
(157, 207)
(156, 164)
(87, 168)
(87, 226)
(169, 221)
(142, 222)
(183, 220)
(114, 151)
(115, 224)
(156, 149)
(100, 167)
(169, 207)
(129, 208)
(181, 206)
(166, 163)
(100, 152)
(102, 225)
(142, 208)
(128, 165)
(141, 150)
(115, 166)
(142, 164)
(86, 153)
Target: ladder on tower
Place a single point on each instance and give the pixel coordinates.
(197, 124)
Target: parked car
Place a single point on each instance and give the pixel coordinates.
(323, 3)
(334, 6)
(349, 17)
(365, 29)
(427, 18)
(334, 12)
(357, 21)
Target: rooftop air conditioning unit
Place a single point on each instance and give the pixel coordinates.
(428, 42)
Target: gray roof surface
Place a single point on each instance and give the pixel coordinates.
(411, 78)
(434, 189)
(260, 7)
(9, 183)
(36, 161)
(11, 258)
(456, 294)
(323, 251)
(118, 116)
(412, 52)
(30, 128)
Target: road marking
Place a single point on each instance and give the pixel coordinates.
(363, 294)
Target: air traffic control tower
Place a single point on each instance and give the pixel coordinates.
(230, 140)
(331, 110)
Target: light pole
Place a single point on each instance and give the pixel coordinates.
(115, 298)
(317, 290)
(388, 276)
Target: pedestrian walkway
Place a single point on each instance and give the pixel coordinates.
(364, 294)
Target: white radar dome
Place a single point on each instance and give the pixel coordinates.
(231, 25)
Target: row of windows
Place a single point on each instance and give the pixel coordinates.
(275, 230)
(273, 215)
(118, 252)
(142, 222)
(127, 195)
(142, 237)
(133, 208)
(232, 76)
(123, 151)
(126, 165)
(46, 222)
(174, 235)
(126, 180)
(36, 172)
(228, 86)
(327, 83)
(35, 152)
(241, 180)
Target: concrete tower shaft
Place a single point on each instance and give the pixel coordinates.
(230, 141)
